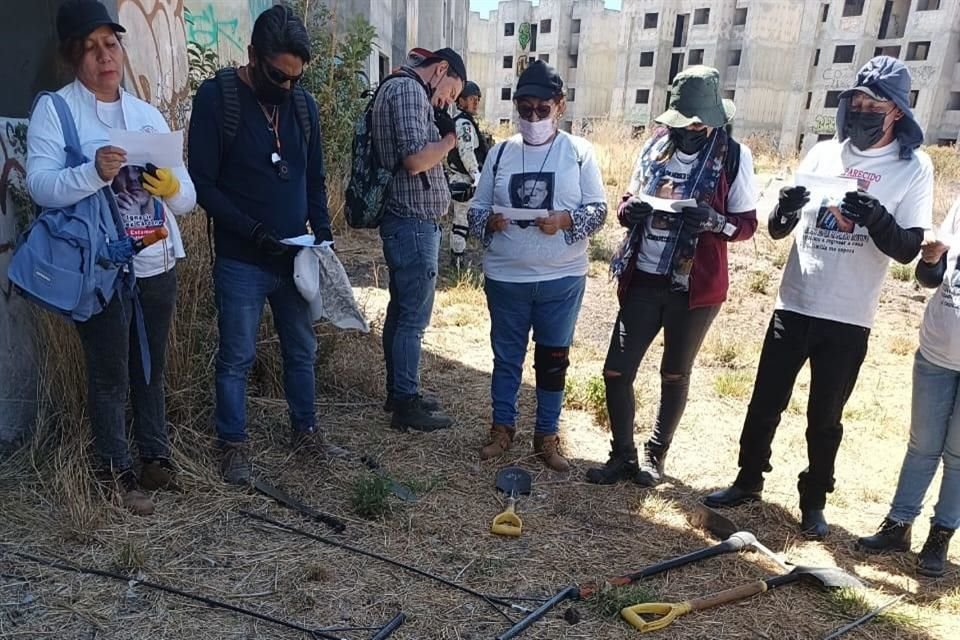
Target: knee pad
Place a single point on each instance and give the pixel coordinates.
(550, 365)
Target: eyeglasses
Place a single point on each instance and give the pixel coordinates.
(543, 111)
(279, 77)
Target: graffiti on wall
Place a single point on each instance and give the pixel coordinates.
(13, 215)
(838, 78)
(156, 69)
(223, 26)
(825, 124)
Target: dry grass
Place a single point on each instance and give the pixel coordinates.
(573, 531)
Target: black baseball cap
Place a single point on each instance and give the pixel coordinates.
(452, 58)
(539, 80)
(79, 18)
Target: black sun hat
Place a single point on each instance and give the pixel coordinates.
(79, 18)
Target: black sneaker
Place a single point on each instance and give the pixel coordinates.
(235, 465)
(621, 466)
(933, 557)
(429, 403)
(412, 415)
(891, 536)
(731, 497)
(651, 467)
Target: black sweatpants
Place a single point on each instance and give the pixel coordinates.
(835, 350)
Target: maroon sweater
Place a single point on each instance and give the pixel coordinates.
(709, 279)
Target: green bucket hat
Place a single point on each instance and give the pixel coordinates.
(695, 98)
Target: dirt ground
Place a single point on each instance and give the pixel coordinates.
(573, 532)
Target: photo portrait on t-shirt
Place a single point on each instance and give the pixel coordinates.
(532, 191)
(830, 218)
(140, 212)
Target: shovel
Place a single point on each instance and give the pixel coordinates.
(512, 481)
(666, 612)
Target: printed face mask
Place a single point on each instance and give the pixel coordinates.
(864, 128)
(537, 133)
(689, 141)
(266, 91)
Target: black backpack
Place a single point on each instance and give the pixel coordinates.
(227, 80)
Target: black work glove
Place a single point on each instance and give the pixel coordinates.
(703, 218)
(444, 122)
(324, 234)
(268, 244)
(862, 208)
(792, 200)
(635, 211)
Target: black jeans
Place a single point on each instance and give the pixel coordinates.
(644, 311)
(835, 350)
(111, 349)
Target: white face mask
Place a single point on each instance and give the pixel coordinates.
(537, 133)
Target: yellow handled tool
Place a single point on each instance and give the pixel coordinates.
(664, 613)
(508, 523)
(512, 481)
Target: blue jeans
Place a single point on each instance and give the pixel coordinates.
(548, 307)
(241, 290)
(411, 248)
(934, 435)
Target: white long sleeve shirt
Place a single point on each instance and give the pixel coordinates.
(52, 184)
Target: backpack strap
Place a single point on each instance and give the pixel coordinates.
(227, 79)
(731, 162)
(496, 163)
(71, 139)
(301, 100)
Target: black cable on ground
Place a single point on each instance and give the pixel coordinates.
(64, 566)
(493, 602)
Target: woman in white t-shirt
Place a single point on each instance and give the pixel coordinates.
(671, 268)
(539, 198)
(935, 420)
(90, 45)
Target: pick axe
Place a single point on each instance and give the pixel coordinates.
(734, 540)
(665, 612)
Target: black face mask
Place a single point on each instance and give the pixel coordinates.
(689, 141)
(267, 91)
(864, 128)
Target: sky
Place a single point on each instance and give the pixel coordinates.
(483, 6)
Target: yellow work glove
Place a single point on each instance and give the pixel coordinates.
(163, 184)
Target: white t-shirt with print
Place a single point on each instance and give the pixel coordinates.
(940, 330)
(656, 247)
(835, 271)
(563, 177)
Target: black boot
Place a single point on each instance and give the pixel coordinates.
(412, 415)
(933, 556)
(813, 524)
(651, 466)
(891, 536)
(731, 497)
(622, 465)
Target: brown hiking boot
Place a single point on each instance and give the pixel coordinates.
(547, 448)
(501, 437)
(312, 443)
(124, 486)
(158, 475)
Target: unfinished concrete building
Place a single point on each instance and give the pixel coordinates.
(575, 36)
(784, 62)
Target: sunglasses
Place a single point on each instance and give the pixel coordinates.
(543, 110)
(279, 77)
(523, 224)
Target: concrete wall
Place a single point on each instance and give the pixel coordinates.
(224, 25)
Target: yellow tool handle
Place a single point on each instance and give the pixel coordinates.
(508, 523)
(667, 612)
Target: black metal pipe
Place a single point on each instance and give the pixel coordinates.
(539, 612)
(390, 627)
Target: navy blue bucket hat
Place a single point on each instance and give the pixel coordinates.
(885, 78)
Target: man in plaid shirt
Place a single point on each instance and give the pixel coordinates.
(413, 132)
